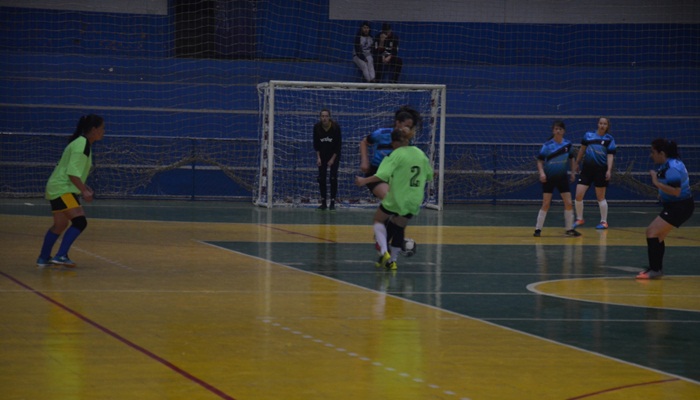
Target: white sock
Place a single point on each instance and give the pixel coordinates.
(603, 210)
(579, 209)
(568, 219)
(540, 219)
(395, 253)
(380, 236)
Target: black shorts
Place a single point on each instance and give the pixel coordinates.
(677, 212)
(561, 184)
(385, 211)
(594, 175)
(65, 202)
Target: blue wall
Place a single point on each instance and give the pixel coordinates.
(506, 82)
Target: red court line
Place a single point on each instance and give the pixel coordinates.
(623, 387)
(129, 343)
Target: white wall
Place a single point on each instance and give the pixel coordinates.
(520, 11)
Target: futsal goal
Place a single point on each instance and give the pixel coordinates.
(288, 111)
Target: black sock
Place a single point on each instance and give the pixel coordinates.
(655, 252)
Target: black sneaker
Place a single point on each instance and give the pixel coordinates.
(322, 207)
(537, 233)
(573, 232)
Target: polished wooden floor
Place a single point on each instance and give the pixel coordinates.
(203, 300)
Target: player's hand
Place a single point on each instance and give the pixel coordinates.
(359, 181)
(543, 178)
(654, 177)
(87, 195)
(608, 175)
(318, 162)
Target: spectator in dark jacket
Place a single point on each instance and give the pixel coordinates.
(386, 55)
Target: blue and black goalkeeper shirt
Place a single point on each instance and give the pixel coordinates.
(556, 158)
(597, 149)
(380, 140)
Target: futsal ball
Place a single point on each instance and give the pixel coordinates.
(409, 247)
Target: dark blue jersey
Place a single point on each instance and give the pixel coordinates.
(597, 149)
(556, 158)
(673, 173)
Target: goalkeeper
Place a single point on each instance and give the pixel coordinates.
(406, 172)
(381, 144)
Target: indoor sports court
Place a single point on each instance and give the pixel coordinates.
(206, 300)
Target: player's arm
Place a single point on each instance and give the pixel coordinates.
(581, 152)
(364, 155)
(540, 169)
(610, 159)
(362, 181)
(671, 177)
(85, 190)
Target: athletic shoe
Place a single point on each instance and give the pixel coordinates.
(392, 266)
(63, 260)
(42, 262)
(537, 233)
(578, 223)
(383, 260)
(332, 207)
(573, 232)
(650, 274)
(602, 225)
(322, 207)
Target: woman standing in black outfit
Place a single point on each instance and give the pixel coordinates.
(327, 143)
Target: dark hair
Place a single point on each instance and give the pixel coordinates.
(559, 124)
(668, 147)
(386, 26)
(398, 135)
(85, 124)
(326, 110)
(415, 115)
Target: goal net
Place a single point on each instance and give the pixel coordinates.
(288, 112)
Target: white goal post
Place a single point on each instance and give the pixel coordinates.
(288, 111)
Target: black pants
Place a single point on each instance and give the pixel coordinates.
(322, 176)
(392, 69)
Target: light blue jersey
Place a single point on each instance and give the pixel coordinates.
(556, 158)
(380, 140)
(673, 173)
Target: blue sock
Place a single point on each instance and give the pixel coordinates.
(68, 238)
(49, 240)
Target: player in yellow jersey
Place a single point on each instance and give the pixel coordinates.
(407, 169)
(66, 182)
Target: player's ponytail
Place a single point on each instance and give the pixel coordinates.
(85, 124)
(668, 147)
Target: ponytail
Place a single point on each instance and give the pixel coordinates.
(85, 124)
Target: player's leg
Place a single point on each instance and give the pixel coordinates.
(581, 190)
(60, 223)
(74, 213)
(603, 206)
(380, 235)
(322, 184)
(396, 227)
(542, 214)
(334, 183)
(656, 233)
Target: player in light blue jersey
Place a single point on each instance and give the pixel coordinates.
(671, 178)
(553, 165)
(597, 153)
